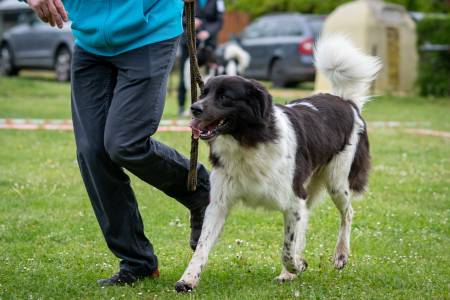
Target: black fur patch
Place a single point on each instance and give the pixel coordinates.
(321, 133)
(359, 172)
(215, 161)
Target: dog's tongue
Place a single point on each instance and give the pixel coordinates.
(194, 124)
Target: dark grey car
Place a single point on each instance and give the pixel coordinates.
(34, 44)
(281, 47)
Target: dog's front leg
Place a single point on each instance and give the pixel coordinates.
(295, 222)
(215, 216)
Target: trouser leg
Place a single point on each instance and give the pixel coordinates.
(108, 187)
(181, 86)
(134, 115)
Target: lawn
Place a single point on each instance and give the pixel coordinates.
(52, 248)
(38, 95)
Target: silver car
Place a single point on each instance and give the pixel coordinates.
(36, 45)
(281, 47)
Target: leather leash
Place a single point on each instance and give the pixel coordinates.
(196, 80)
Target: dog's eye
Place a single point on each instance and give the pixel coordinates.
(224, 97)
(225, 100)
(205, 92)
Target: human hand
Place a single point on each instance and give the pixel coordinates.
(203, 35)
(50, 11)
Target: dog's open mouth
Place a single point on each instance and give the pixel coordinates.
(206, 131)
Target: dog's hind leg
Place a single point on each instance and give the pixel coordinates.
(295, 223)
(341, 198)
(215, 216)
(338, 186)
(339, 190)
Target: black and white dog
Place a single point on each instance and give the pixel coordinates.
(228, 59)
(284, 157)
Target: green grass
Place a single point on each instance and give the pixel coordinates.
(35, 96)
(52, 248)
(430, 113)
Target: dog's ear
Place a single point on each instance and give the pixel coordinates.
(260, 99)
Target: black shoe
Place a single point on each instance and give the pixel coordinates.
(197, 217)
(124, 277)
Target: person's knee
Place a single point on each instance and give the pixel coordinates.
(121, 152)
(117, 151)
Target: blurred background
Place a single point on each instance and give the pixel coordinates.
(271, 41)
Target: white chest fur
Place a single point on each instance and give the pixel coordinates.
(260, 176)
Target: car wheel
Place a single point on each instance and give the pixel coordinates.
(62, 64)
(277, 74)
(6, 62)
(292, 84)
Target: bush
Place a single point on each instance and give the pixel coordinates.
(434, 30)
(259, 7)
(434, 65)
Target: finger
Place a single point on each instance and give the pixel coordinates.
(55, 15)
(44, 19)
(47, 15)
(40, 14)
(61, 10)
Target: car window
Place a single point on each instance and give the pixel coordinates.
(269, 28)
(9, 20)
(27, 17)
(290, 27)
(254, 30)
(316, 25)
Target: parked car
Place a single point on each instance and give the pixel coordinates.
(281, 47)
(34, 44)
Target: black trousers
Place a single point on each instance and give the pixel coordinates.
(184, 55)
(117, 103)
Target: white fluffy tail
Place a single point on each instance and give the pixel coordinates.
(349, 70)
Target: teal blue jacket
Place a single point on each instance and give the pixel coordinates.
(111, 27)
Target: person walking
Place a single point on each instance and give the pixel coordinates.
(124, 52)
(208, 22)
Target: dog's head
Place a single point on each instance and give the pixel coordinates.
(233, 105)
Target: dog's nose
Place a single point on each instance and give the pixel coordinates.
(196, 109)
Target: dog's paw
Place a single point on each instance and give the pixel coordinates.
(183, 287)
(340, 260)
(296, 266)
(285, 276)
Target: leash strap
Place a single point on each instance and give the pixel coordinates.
(196, 80)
